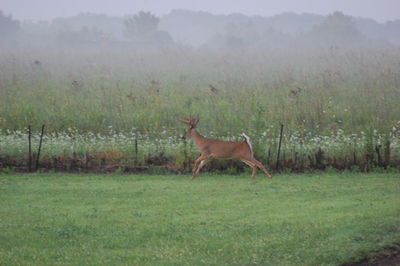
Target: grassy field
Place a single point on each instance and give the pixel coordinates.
(50, 219)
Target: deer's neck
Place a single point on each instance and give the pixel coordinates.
(197, 138)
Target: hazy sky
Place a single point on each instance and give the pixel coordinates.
(381, 10)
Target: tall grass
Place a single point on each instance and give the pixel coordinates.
(315, 94)
(87, 90)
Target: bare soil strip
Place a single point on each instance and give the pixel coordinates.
(389, 256)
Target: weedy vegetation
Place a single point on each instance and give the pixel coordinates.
(106, 107)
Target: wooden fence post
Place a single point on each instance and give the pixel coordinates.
(136, 150)
(29, 148)
(185, 154)
(40, 147)
(279, 148)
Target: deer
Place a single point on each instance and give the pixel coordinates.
(211, 148)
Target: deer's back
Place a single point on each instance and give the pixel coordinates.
(225, 149)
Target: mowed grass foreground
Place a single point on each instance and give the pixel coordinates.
(49, 219)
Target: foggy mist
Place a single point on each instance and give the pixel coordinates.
(146, 54)
(49, 9)
(150, 25)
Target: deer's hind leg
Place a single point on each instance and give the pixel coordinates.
(259, 165)
(252, 165)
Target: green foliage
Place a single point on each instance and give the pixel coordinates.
(120, 170)
(369, 149)
(214, 220)
(355, 169)
(7, 170)
(98, 101)
(141, 23)
(337, 29)
(331, 170)
(181, 161)
(93, 90)
(386, 149)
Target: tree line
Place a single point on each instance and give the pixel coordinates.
(200, 29)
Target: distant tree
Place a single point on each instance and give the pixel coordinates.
(108, 25)
(273, 38)
(142, 30)
(392, 31)
(85, 36)
(241, 34)
(8, 28)
(337, 29)
(233, 42)
(141, 24)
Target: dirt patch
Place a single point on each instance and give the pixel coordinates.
(389, 256)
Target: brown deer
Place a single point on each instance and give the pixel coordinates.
(220, 149)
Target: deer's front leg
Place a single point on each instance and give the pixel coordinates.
(199, 161)
(200, 166)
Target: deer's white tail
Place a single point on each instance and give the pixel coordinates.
(248, 142)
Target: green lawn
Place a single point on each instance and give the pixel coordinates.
(49, 219)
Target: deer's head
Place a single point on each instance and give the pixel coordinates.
(191, 121)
